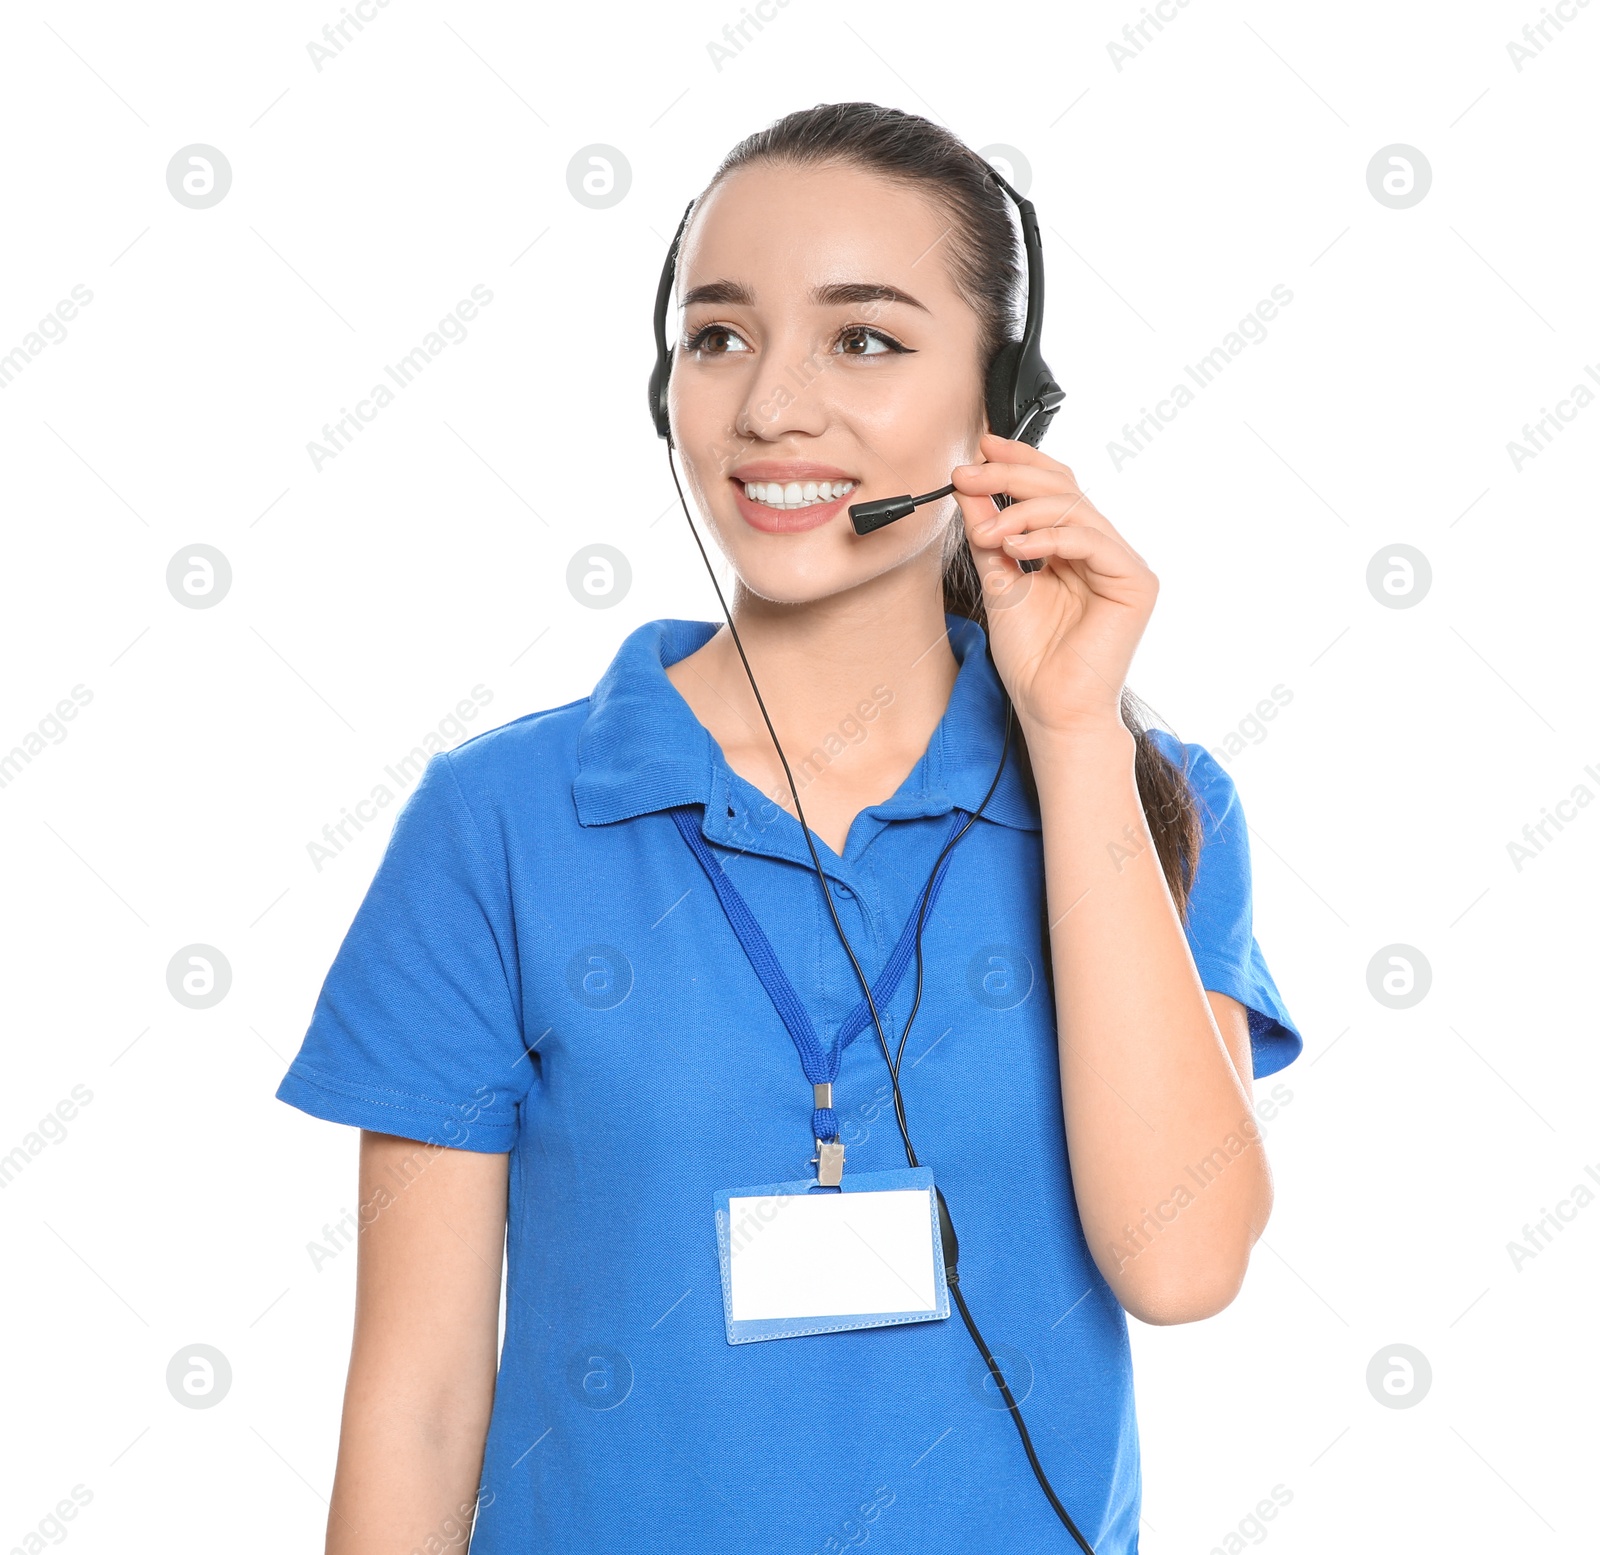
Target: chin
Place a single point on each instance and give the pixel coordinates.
(814, 564)
(782, 583)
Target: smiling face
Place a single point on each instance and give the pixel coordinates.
(824, 358)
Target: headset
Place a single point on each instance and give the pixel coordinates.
(1021, 398)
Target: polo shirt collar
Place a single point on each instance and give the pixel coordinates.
(641, 748)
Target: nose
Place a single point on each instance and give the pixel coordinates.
(789, 392)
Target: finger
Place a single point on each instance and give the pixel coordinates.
(1071, 506)
(977, 515)
(997, 572)
(1023, 481)
(996, 554)
(1013, 480)
(987, 557)
(988, 526)
(1104, 563)
(1031, 513)
(1027, 468)
(1011, 450)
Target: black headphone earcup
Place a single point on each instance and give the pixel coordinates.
(659, 375)
(999, 393)
(1019, 379)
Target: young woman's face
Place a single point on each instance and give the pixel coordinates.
(823, 340)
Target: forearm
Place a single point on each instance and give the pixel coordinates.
(423, 1362)
(409, 1463)
(1148, 1088)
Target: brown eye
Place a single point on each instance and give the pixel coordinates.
(858, 340)
(715, 340)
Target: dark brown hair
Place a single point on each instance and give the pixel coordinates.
(982, 252)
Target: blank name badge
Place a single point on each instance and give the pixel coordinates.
(798, 1259)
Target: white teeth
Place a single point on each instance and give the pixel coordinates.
(796, 494)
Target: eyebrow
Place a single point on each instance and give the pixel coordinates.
(836, 294)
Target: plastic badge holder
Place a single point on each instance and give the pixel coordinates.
(799, 1261)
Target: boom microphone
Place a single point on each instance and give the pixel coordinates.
(867, 516)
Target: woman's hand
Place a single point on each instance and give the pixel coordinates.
(1063, 637)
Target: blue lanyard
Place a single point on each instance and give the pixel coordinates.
(821, 1065)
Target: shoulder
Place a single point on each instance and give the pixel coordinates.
(524, 765)
(546, 731)
(1208, 779)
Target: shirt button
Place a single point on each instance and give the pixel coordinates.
(845, 890)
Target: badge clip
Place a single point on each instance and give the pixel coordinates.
(829, 1161)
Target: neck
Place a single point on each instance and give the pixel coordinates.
(875, 658)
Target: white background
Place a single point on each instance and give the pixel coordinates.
(1228, 156)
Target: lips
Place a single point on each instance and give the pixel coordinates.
(786, 521)
(789, 470)
(788, 496)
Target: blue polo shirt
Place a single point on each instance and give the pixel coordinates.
(540, 966)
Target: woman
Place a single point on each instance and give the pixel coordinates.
(556, 1046)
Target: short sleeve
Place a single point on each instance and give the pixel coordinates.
(1220, 919)
(417, 1030)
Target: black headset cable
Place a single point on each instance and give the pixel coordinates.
(947, 1232)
